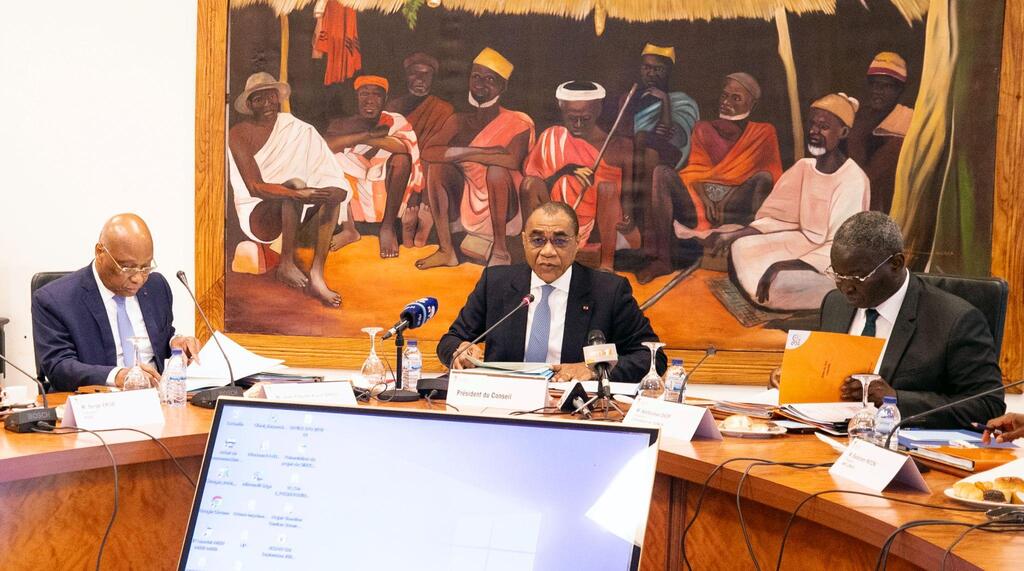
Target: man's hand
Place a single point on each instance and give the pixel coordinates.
(584, 175)
(378, 132)
(463, 361)
(1012, 425)
(571, 372)
(719, 242)
(655, 92)
(774, 378)
(148, 371)
(189, 345)
(851, 390)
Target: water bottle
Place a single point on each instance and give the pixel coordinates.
(675, 381)
(174, 379)
(412, 365)
(886, 420)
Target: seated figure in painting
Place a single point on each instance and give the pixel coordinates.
(882, 123)
(284, 178)
(779, 260)
(559, 167)
(474, 166)
(377, 150)
(733, 164)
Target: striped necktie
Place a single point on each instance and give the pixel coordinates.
(125, 331)
(540, 330)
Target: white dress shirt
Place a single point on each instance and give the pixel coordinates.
(888, 311)
(131, 305)
(558, 300)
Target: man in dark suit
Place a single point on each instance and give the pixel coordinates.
(83, 324)
(570, 301)
(938, 347)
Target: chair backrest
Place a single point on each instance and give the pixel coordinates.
(989, 295)
(38, 281)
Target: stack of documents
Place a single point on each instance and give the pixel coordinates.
(505, 369)
(830, 417)
(722, 409)
(212, 371)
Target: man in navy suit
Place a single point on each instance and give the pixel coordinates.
(83, 323)
(570, 300)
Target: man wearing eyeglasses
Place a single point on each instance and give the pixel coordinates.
(570, 300)
(87, 325)
(938, 347)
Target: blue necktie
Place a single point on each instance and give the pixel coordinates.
(125, 331)
(870, 317)
(537, 347)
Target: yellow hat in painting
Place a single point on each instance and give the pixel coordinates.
(889, 63)
(839, 104)
(495, 62)
(364, 80)
(653, 50)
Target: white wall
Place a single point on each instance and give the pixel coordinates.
(98, 118)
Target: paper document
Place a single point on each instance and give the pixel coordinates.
(212, 371)
(825, 412)
(816, 363)
(525, 368)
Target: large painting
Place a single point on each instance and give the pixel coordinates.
(381, 151)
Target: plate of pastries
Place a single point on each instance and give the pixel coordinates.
(996, 492)
(742, 426)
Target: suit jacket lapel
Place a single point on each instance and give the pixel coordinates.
(92, 300)
(149, 316)
(514, 330)
(577, 311)
(902, 331)
(841, 320)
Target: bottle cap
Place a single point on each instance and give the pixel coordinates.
(888, 400)
(677, 362)
(176, 350)
(411, 342)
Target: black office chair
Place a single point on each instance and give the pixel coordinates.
(989, 295)
(38, 281)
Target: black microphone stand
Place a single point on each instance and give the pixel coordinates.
(603, 398)
(398, 394)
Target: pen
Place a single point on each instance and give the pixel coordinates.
(979, 427)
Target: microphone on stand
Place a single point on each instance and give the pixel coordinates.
(208, 398)
(26, 420)
(601, 357)
(709, 352)
(414, 314)
(527, 300)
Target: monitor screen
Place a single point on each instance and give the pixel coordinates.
(292, 486)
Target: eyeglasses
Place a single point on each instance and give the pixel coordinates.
(859, 279)
(559, 242)
(129, 272)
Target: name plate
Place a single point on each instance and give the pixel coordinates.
(489, 390)
(325, 393)
(99, 411)
(677, 421)
(876, 468)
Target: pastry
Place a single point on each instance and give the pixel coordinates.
(967, 491)
(994, 496)
(737, 422)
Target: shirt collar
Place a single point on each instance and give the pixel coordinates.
(890, 308)
(104, 292)
(560, 284)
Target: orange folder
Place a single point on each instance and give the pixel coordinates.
(816, 363)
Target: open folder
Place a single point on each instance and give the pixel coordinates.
(815, 364)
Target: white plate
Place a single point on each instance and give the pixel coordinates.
(773, 431)
(978, 503)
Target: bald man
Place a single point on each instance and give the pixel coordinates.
(83, 323)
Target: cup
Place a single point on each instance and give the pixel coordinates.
(14, 395)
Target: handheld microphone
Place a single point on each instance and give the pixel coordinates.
(929, 412)
(709, 352)
(26, 420)
(527, 300)
(208, 398)
(413, 315)
(601, 357)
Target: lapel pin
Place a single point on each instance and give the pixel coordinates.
(586, 307)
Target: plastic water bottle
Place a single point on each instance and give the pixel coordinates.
(886, 420)
(175, 379)
(675, 381)
(412, 365)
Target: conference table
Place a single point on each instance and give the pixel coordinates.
(56, 497)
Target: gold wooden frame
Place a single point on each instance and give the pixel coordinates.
(747, 367)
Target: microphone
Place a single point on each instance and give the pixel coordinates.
(601, 357)
(26, 420)
(929, 412)
(709, 352)
(527, 300)
(415, 314)
(208, 398)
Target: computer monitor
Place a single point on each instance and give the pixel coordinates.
(293, 486)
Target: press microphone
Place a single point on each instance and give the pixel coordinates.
(929, 412)
(27, 420)
(415, 314)
(601, 357)
(709, 352)
(527, 300)
(208, 398)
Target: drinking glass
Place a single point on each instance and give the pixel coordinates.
(373, 367)
(862, 425)
(651, 386)
(136, 379)
(865, 382)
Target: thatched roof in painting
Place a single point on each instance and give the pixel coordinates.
(279, 6)
(636, 10)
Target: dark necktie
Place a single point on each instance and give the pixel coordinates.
(870, 317)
